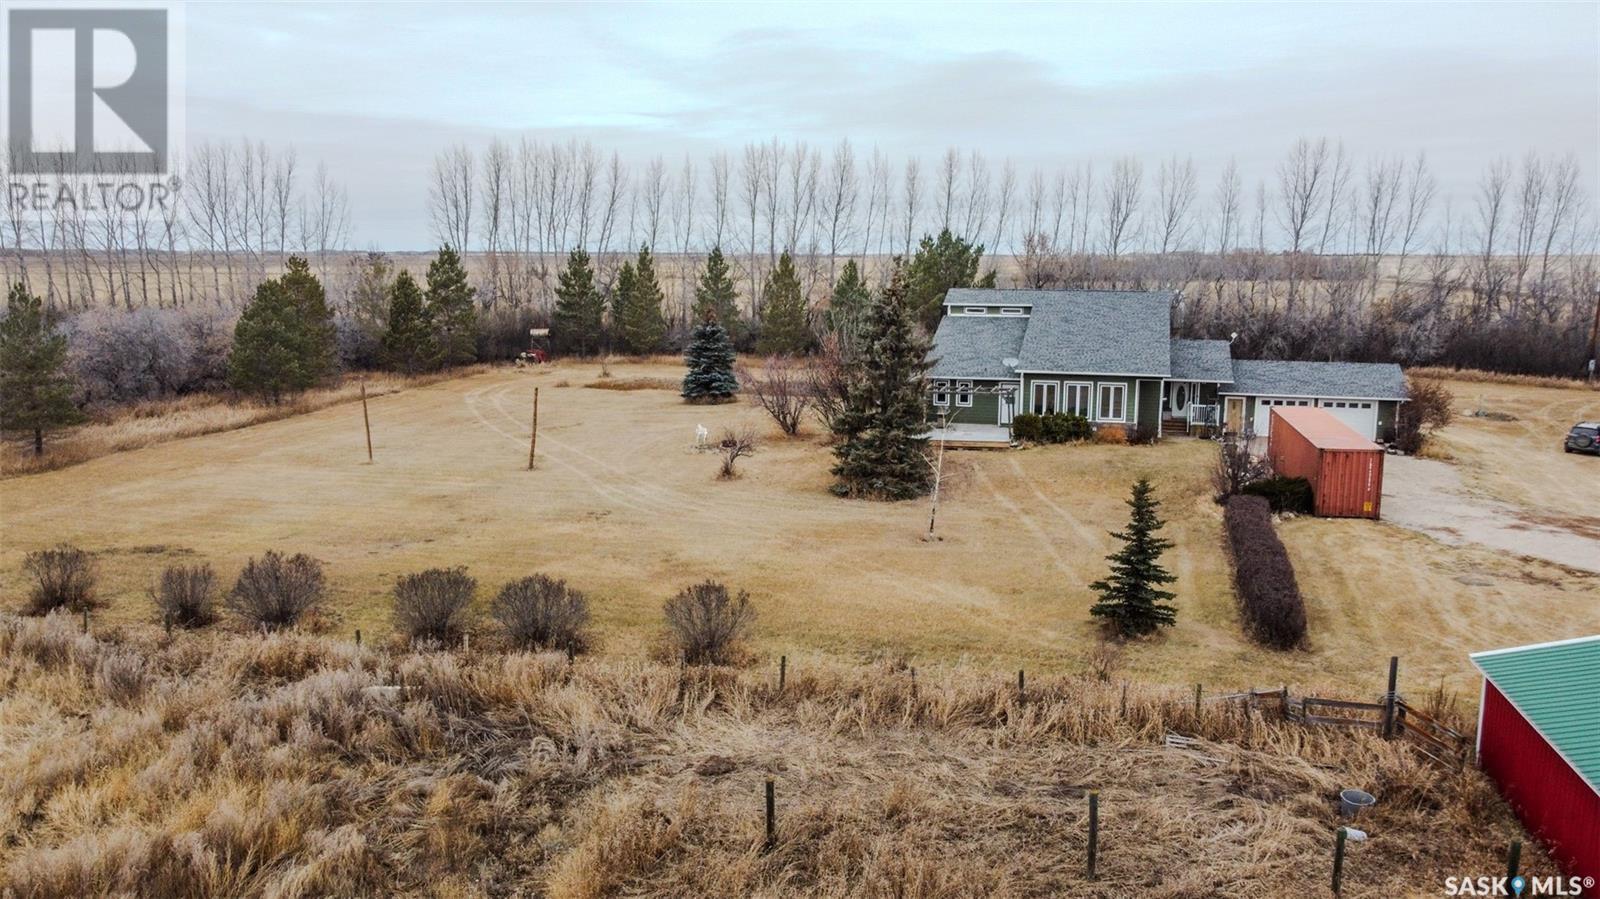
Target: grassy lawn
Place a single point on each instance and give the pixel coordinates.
(622, 506)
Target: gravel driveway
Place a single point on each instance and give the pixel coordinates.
(1428, 496)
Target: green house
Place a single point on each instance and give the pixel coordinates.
(1109, 356)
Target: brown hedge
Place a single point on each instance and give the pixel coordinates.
(1263, 577)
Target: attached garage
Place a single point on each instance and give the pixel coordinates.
(1539, 740)
(1363, 396)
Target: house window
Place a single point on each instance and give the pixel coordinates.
(1042, 398)
(963, 393)
(1075, 398)
(1011, 310)
(941, 393)
(976, 310)
(1113, 401)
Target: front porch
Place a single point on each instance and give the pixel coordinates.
(971, 436)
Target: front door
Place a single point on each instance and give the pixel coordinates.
(1179, 394)
(1235, 416)
(1008, 405)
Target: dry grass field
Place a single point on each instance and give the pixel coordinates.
(622, 506)
(215, 764)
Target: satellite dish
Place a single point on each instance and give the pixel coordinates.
(1233, 336)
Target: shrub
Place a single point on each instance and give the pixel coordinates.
(275, 590)
(1283, 494)
(539, 612)
(1028, 428)
(63, 578)
(1055, 427)
(185, 595)
(1111, 435)
(1427, 411)
(1143, 435)
(733, 446)
(781, 388)
(706, 625)
(1236, 466)
(432, 604)
(1264, 581)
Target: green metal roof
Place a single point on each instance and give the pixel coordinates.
(1556, 686)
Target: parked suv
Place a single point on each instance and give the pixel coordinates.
(1584, 438)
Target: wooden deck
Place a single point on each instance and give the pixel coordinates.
(966, 436)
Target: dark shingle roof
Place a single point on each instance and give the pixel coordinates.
(1104, 332)
(976, 346)
(1361, 380)
(1202, 360)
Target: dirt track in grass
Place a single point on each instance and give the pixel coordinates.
(622, 506)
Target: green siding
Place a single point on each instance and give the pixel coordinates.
(1387, 409)
(1133, 403)
(985, 408)
(1557, 688)
(1150, 404)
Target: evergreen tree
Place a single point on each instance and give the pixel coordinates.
(284, 339)
(1131, 598)
(851, 297)
(450, 308)
(710, 361)
(882, 429)
(643, 328)
(35, 392)
(785, 328)
(620, 295)
(939, 265)
(409, 344)
(579, 321)
(715, 296)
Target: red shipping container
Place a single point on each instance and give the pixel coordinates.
(1344, 468)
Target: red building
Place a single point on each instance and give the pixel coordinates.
(1539, 739)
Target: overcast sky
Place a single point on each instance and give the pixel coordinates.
(377, 90)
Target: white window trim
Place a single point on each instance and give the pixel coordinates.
(1055, 396)
(964, 394)
(941, 393)
(1099, 391)
(1013, 310)
(1088, 398)
(975, 310)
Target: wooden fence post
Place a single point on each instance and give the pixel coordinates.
(1338, 859)
(358, 638)
(1022, 684)
(533, 433)
(1389, 698)
(1513, 860)
(366, 420)
(772, 817)
(783, 671)
(913, 683)
(1094, 831)
(1124, 708)
(1197, 690)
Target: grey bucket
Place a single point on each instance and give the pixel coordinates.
(1352, 802)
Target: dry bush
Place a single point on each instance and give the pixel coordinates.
(733, 446)
(120, 676)
(1428, 409)
(1263, 576)
(186, 595)
(706, 625)
(828, 376)
(63, 578)
(610, 383)
(432, 604)
(1236, 466)
(516, 774)
(275, 590)
(540, 612)
(1104, 660)
(1111, 435)
(781, 389)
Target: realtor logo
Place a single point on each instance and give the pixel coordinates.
(88, 91)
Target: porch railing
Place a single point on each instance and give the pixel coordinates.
(1208, 416)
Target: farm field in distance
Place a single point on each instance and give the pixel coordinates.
(623, 507)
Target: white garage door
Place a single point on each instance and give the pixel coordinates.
(1360, 415)
(1262, 425)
